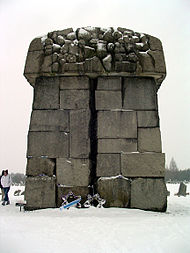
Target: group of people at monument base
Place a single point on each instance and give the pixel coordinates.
(5, 184)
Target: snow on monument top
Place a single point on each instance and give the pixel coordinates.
(95, 51)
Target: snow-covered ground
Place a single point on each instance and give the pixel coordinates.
(96, 230)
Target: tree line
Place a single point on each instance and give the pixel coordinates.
(173, 173)
(18, 178)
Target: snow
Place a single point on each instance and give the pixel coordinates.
(121, 110)
(114, 177)
(96, 230)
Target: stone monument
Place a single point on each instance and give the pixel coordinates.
(94, 123)
(182, 190)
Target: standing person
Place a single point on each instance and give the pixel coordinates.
(2, 192)
(6, 183)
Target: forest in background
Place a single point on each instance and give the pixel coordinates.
(18, 178)
(174, 174)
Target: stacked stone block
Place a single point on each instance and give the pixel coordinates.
(129, 141)
(95, 118)
(58, 139)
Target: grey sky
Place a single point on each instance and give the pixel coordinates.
(21, 21)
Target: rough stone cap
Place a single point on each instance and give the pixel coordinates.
(95, 51)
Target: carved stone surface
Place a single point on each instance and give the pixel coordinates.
(50, 144)
(49, 120)
(149, 194)
(140, 94)
(117, 124)
(74, 83)
(40, 166)
(46, 93)
(95, 117)
(107, 100)
(109, 83)
(143, 164)
(108, 165)
(73, 172)
(96, 51)
(47, 66)
(33, 62)
(146, 62)
(148, 119)
(40, 192)
(149, 140)
(74, 99)
(117, 145)
(79, 133)
(36, 45)
(120, 196)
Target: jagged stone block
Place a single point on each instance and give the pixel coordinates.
(108, 165)
(107, 63)
(109, 83)
(107, 100)
(40, 192)
(149, 140)
(73, 172)
(74, 99)
(146, 62)
(79, 133)
(140, 93)
(40, 166)
(49, 120)
(46, 93)
(55, 67)
(74, 83)
(117, 145)
(102, 52)
(117, 124)
(46, 67)
(148, 119)
(48, 144)
(93, 65)
(149, 194)
(115, 190)
(81, 191)
(143, 164)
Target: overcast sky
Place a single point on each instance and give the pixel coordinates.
(22, 20)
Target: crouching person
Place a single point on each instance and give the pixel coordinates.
(6, 183)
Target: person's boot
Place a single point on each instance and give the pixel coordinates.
(3, 203)
(8, 202)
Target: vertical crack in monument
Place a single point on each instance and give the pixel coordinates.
(93, 133)
(94, 122)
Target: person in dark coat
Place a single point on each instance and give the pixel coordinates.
(2, 192)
